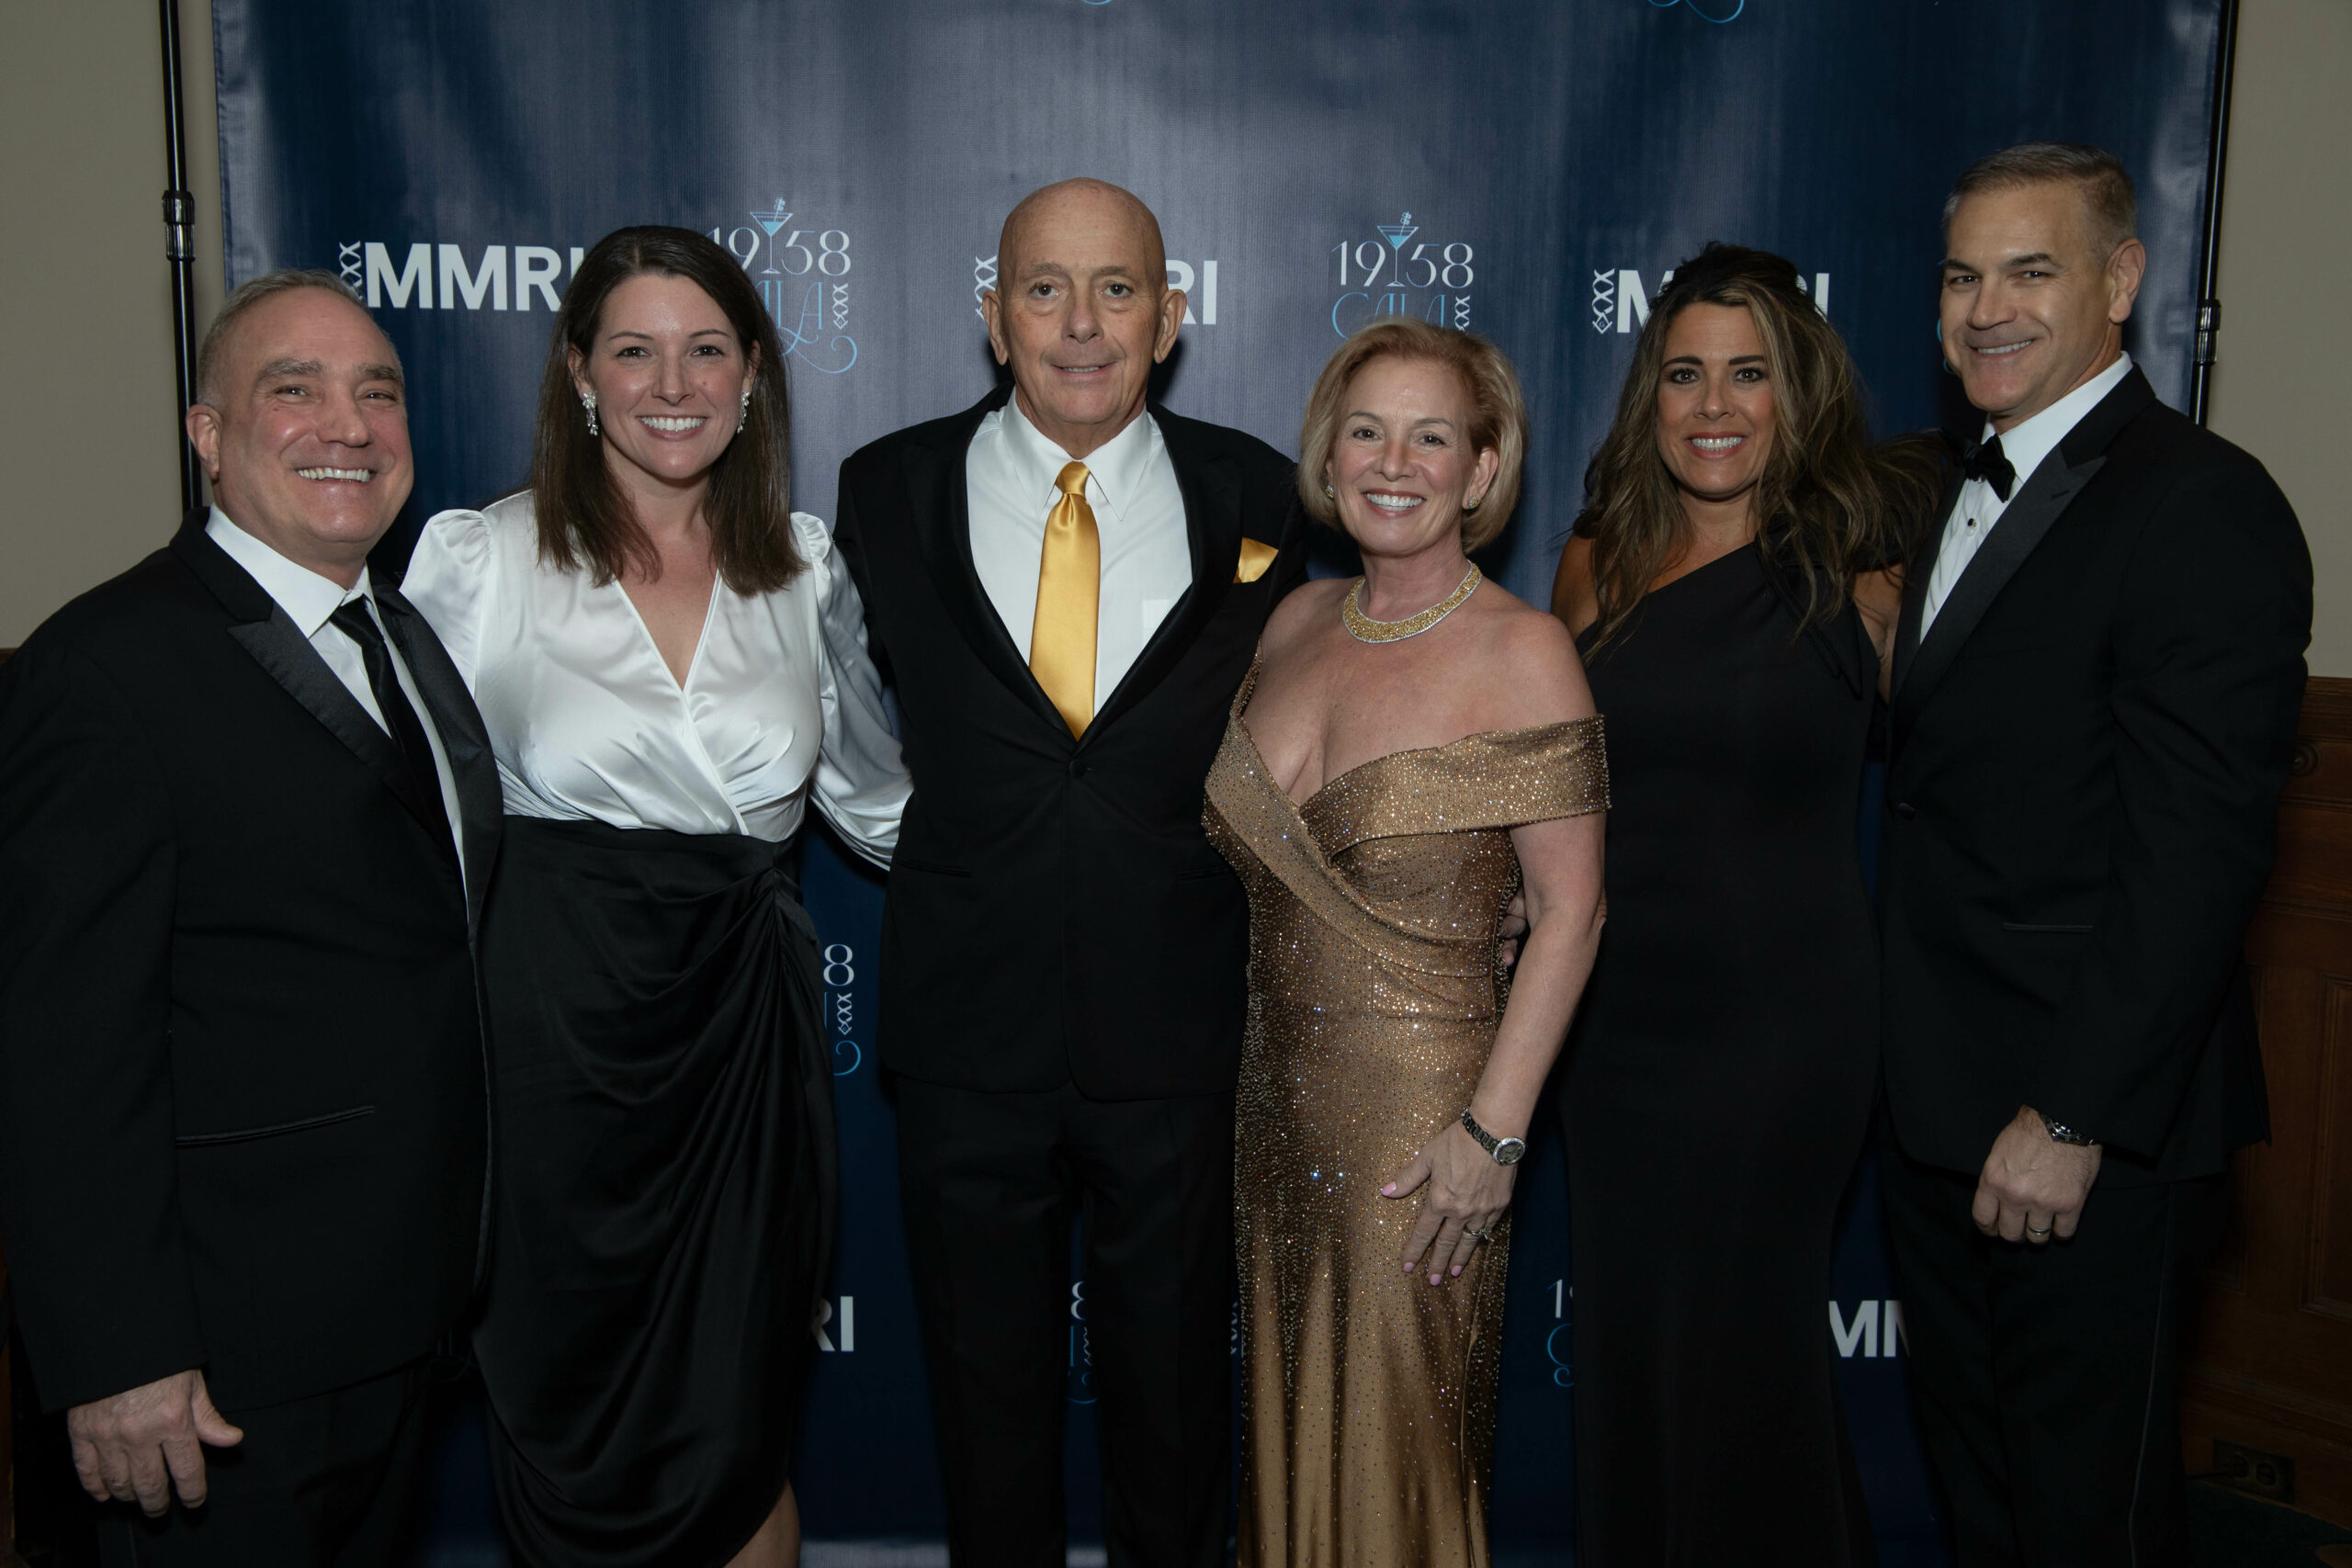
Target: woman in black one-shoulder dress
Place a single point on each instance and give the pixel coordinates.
(1721, 1078)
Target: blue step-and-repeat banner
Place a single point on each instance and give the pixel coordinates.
(1529, 169)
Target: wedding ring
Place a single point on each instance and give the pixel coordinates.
(1478, 1234)
(2031, 1230)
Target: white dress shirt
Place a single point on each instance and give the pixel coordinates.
(309, 599)
(781, 705)
(1009, 478)
(1978, 506)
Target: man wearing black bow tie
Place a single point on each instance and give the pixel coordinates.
(247, 815)
(2096, 686)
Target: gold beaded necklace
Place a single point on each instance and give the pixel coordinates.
(1364, 628)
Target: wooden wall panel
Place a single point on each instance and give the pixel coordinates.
(2272, 1367)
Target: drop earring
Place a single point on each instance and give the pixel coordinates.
(588, 402)
(745, 417)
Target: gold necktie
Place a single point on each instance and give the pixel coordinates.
(1069, 586)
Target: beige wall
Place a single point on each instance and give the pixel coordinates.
(87, 438)
(2286, 283)
(92, 310)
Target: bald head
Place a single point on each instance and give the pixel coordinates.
(1081, 310)
(1085, 203)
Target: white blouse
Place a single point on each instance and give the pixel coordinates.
(781, 701)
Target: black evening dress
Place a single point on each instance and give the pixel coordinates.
(1720, 1082)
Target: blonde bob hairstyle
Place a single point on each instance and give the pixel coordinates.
(1497, 414)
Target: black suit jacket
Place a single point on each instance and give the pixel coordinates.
(243, 1112)
(1055, 912)
(2087, 749)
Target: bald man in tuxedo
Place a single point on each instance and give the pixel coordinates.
(1066, 582)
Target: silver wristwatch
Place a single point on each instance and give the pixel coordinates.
(1506, 1151)
(2062, 1133)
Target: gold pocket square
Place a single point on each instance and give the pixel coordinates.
(1255, 559)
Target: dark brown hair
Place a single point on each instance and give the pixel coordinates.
(2108, 200)
(583, 518)
(1829, 506)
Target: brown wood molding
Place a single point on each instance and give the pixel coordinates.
(2272, 1367)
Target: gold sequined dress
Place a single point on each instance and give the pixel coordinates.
(1368, 1393)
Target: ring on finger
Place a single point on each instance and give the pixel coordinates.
(2042, 1234)
(1479, 1233)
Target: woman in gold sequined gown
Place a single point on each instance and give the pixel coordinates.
(1385, 789)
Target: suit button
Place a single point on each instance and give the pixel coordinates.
(1905, 810)
(1078, 769)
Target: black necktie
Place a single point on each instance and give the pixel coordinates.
(424, 782)
(1985, 461)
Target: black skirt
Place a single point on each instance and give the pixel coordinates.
(663, 1181)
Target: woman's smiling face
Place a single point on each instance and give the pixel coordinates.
(1714, 402)
(669, 377)
(1403, 468)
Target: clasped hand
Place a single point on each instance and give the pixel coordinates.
(137, 1445)
(1468, 1192)
(2033, 1187)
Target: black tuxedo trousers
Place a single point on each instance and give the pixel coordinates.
(1062, 991)
(2087, 745)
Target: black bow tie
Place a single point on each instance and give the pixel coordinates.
(1984, 461)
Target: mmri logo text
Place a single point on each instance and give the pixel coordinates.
(1622, 303)
(440, 276)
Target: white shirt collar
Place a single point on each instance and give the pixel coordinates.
(1115, 470)
(306, 598)
(2027, 441)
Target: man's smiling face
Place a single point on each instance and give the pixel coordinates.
(304, 433)
(2034, 300)
(1081, 310)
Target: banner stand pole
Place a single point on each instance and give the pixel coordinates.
(179, 219)
(2209, 304)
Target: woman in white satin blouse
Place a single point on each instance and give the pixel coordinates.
(671, 667)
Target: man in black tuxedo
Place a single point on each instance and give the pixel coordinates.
(2096, 686)
(1067, 587)
(247, 815)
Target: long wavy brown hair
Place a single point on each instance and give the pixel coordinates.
(1830, 506)
(583, 518)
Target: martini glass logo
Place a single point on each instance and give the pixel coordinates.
(772, 221)
(1396, 234)
(1401, 274)
(805, 283)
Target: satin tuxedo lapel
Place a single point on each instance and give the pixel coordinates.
(941, 506)
(472, 766)
(1212, 490)
(2041, 499)
(1914, 588)
(277, 645)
